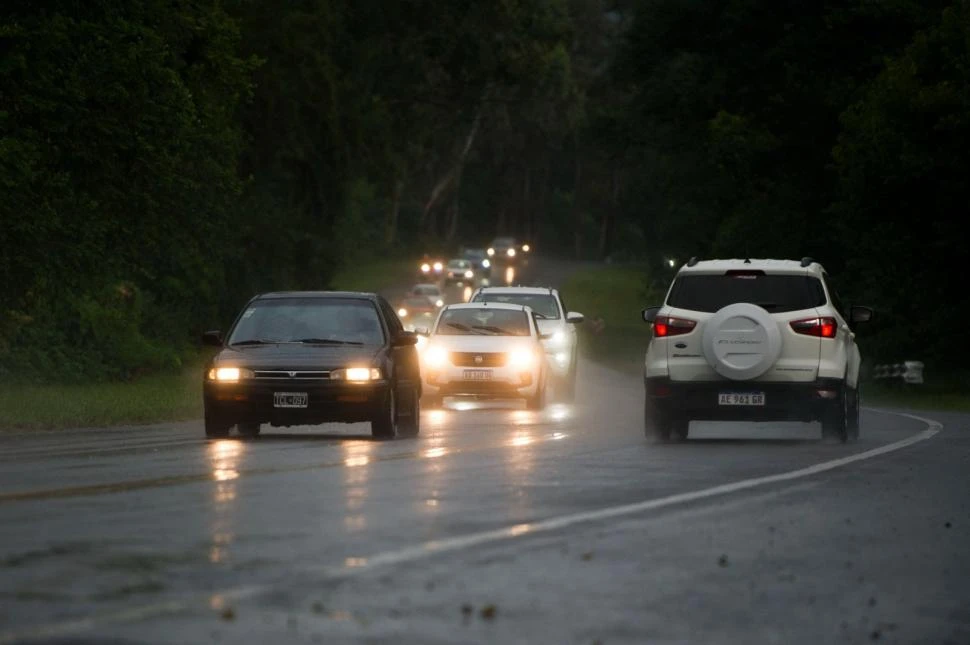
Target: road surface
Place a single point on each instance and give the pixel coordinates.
(496, 525)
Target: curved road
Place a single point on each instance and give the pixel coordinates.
(496, 525)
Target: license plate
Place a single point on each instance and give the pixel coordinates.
(478, 375)
(741, 398)
(289, 399)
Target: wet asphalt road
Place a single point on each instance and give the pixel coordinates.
(496, 525)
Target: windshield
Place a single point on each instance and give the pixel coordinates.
(483, 322)
(503, 241)
(543, 304)
(427, 290)
(458, 264)
(776, 293)
(294, 320)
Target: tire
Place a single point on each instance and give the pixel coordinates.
(410, 425)
(538, 400)
(656, 427)
(835, 424)
(215, 428)
(249, 429)
(384, 423)
(741, 341)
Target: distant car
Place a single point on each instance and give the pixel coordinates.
(484, 351)
(503, 249)
(431, 292)
(752, 340)
(431, 268)
(459, 271)
(416, 310)
(309, 357)
(480, 262)
(553, 318)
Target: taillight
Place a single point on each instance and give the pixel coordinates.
(824, 327)
(664, 326)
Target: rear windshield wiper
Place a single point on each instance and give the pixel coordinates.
(327, 341)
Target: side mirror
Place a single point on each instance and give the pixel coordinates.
(212, 338)
(575, 318)
(422, 331)
(650, 314)
(406, 339)
(858, 314)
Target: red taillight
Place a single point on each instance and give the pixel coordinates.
(665, 326)
(824, 327)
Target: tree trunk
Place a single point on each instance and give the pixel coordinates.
(609, 214)
(390, 231)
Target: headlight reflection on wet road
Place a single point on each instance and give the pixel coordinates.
(224, 458)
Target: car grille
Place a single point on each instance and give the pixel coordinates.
(305, 375)
(470, 359)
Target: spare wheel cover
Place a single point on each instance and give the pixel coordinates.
(741, 341)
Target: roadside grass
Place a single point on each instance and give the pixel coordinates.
(149, 399)
(611, 298)
(374, 276)
(917, 397)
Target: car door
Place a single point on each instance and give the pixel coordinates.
(404, 359)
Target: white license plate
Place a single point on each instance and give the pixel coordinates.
(478, 375)
(741, 398)
(290, 399)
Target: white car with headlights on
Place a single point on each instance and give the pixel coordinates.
(558, 324)
(485, 351)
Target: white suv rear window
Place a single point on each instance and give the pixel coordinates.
(775, 293)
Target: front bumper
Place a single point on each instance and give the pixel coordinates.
(698, 401)
(504, 383)
(327, 401)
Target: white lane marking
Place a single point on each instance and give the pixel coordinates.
(435, 547)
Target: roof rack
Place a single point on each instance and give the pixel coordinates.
(807, 261)
(691, 262)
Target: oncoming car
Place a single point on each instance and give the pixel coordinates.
(430, 268)
(459, 271)
(752, 340)
(503, 249)
(484, 350)
(310, 357)
(416, 311)
(554, 321)
(431, 292)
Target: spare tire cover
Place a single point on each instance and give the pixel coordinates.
(741, 341)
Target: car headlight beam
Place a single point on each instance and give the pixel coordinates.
(402, 312)
(435, 356)
(356, 374)
(511, 253)
(491, 252)
(521, 358)
(486, 263)
(469, 274)
(229, 374)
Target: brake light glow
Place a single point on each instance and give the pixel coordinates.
(822, 327)
(665, 326)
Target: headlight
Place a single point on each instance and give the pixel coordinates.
(229, 374)
(491, 252)
(469, 274)
(520, 358)
(558, 338)
(356, 374)
(438, 266)
(435, 356)
(439, 303)
(402, 312)
(486, 263)
(511, 253)
(425, 267)
(525, 247)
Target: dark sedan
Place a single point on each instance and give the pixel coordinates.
(309, 357)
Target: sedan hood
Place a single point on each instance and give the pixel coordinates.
(297, 356)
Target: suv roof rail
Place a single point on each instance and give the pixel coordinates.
(691, 262)
(807, 261)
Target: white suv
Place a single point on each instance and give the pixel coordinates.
(756, 340)
(554, 321)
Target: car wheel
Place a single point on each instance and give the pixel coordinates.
(409, 425)
(249, 429)
(216, 428)
(384, 423)
(655, 425)
(835, 424)
(538, 400)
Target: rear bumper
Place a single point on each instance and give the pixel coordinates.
(326, 402)
(811, 401)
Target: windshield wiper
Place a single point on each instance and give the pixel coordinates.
(327, 341)
(464, 327)
(498, 331)
(254, 341)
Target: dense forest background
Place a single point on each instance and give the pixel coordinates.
(163, 160)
